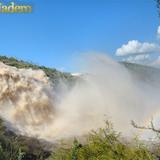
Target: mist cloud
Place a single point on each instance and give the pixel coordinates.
(108, 91)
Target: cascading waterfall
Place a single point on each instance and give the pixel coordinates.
(108, 91)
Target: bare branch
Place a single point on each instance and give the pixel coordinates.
(151, 127)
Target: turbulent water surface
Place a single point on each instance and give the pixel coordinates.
(29, 105)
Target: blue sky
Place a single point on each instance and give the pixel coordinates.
(59, 30)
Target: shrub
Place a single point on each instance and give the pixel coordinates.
(105, 144)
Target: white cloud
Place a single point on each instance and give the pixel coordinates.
(141, 57)
(158, 32)
(136, 47)
(138, 58)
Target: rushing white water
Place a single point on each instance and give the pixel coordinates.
(108, 91)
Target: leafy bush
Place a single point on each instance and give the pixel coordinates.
(14, 147)
(103, 145)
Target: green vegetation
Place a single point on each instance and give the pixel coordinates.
(14, 147)
(103, 145)
(52, 73)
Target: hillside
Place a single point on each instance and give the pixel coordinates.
(52, 73)
(145, 73)
(100, 145)
(139, 71)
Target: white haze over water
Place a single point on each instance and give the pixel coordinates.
(29, 105)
